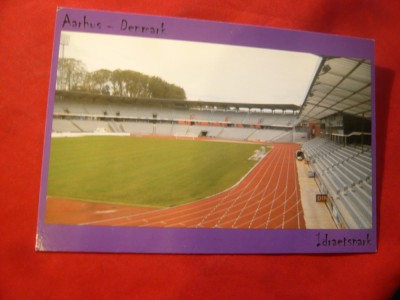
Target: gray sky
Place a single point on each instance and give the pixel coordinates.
(208, 72)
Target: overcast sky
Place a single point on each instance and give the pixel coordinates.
(208, 72)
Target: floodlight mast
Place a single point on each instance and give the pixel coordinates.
(64, 41)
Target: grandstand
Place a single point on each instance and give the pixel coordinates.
(333, 126)
(345, 173)
(338, 112)
(80, 112)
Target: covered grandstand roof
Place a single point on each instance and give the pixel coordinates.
(340, 85)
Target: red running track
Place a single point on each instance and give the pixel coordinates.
(268, 197)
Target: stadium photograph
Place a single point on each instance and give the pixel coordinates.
(168, 133)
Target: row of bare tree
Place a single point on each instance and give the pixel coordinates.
(73, 76)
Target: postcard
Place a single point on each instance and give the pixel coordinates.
(170, 135)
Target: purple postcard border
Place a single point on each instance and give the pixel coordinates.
(202, 241)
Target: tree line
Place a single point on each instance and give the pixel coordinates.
(73, 76)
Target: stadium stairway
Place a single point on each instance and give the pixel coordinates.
(76, 125)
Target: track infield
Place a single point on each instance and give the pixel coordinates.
(149, 172)
(268, 197)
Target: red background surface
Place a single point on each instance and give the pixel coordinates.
(26, 31)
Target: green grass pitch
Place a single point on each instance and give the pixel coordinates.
(144, 171)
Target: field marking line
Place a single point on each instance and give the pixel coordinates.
(286, 190)
(253, 192)
(275, 197)
(249, 174)
(263, 202)
(276, 153)
(261, 194)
